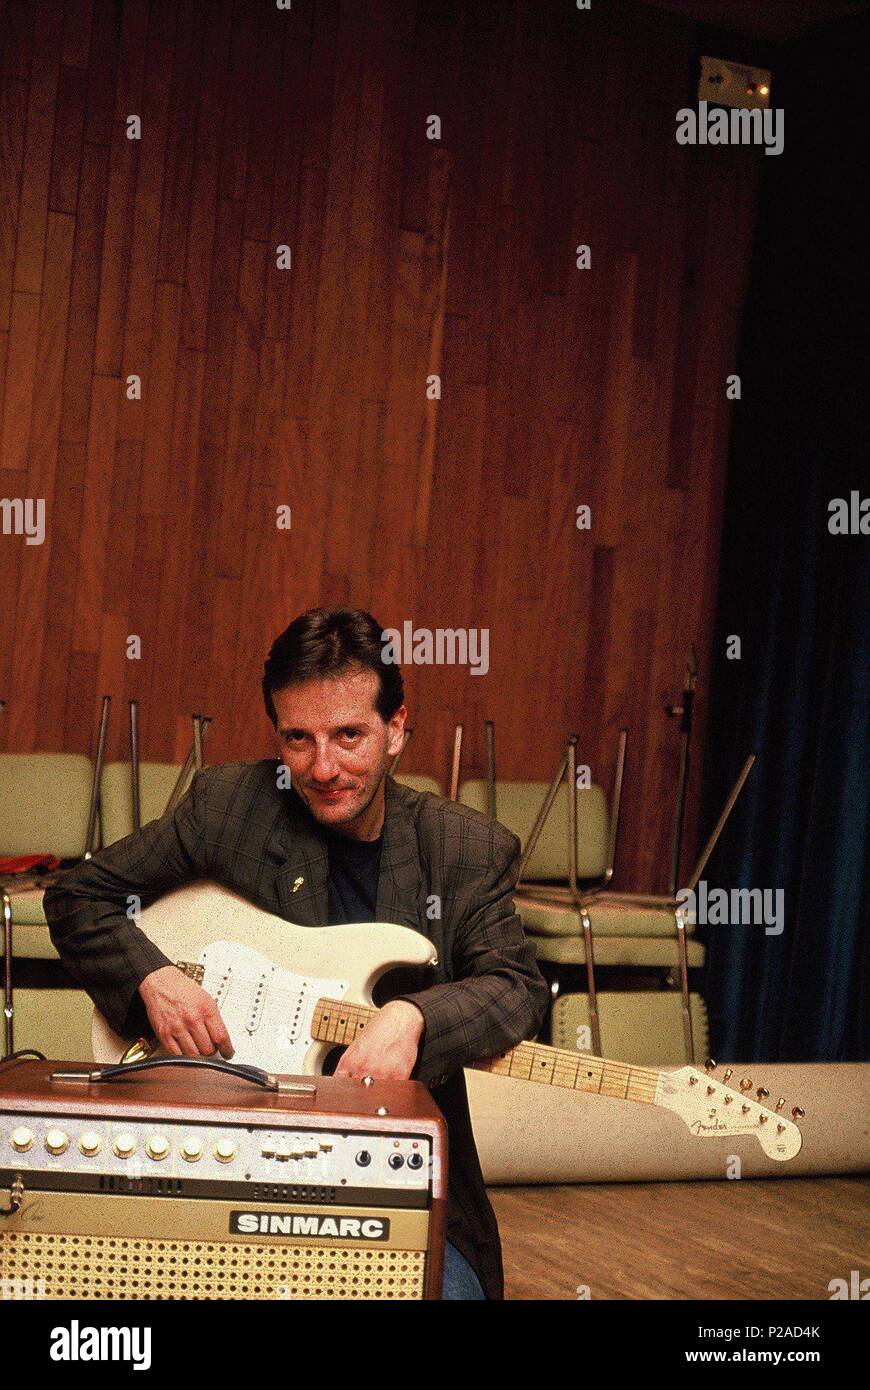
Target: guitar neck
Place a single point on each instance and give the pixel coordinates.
(338, 1022)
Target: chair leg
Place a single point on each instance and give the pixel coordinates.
(577, 902)
(8, 1003)
(93, 810)
(543, 813)
(456, 763)
(551, 975)
(688, 1040)
(590, 982)
(489, 740)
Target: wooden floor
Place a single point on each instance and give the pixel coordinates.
(770, 1238)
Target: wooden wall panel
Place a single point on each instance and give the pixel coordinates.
(307, 387)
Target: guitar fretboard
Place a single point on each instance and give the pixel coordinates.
(336, 1021)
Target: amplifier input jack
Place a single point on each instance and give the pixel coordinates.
(16, 1197)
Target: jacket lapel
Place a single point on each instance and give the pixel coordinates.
(301, 881)
(302, 888)
(400, 886)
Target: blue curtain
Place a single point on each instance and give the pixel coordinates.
(796, 595)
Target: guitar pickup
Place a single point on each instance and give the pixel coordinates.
(256, 1014)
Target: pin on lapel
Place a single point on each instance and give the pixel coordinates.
(298, 884)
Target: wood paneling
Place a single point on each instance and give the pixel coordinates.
(307, 387)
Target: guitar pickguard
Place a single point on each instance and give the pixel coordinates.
(267, 1010)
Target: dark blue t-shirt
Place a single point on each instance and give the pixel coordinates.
(354, 869)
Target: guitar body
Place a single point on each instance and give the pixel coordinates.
(267, 974)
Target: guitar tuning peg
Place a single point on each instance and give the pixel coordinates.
(780, 1103)
(762, 1093)
(797, 1113)
(728, 1073)
(709, 1065)
(746, 1084)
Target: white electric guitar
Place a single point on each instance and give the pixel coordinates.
(288, 995)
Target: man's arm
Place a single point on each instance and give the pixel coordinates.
(498, 996)
(87, 910)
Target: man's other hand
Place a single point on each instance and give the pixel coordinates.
(386, 1049)
(183, 1015)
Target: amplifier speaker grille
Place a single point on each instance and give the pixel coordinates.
(117, 1267)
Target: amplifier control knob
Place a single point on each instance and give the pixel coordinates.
(157, 1147)
(125, 1145)
(225, 1151)
(415, 1161)
(22, 1139)
(396, 1161)
(363, 1158)
(191, 1149)
(89, 1143)
(56, 1141)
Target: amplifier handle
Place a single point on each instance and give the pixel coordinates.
(241, 1071)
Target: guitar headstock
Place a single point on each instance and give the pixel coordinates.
(714, 1110)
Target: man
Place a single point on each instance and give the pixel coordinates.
(346, 843)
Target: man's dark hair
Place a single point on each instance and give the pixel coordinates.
(323, 643)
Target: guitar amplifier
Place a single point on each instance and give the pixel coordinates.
(188, 1183)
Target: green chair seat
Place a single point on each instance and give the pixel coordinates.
(156, 783)
(655, 952)
(27, 908)
(608, 916)
(57, 1022)
(30, 939)
(517, 806)
(420, 783)
(44, 801)
(643, 1028)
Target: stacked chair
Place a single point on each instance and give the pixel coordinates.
(418, 781)
(62, 805)
(644, 943)
(157, 785)
(46, 807)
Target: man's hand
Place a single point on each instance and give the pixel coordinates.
(386, 1049)
(183, 1015)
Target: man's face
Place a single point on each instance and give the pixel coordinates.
(337, 749)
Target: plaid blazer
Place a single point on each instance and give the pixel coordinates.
(235, 826)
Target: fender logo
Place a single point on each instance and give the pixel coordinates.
(715, 1127)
